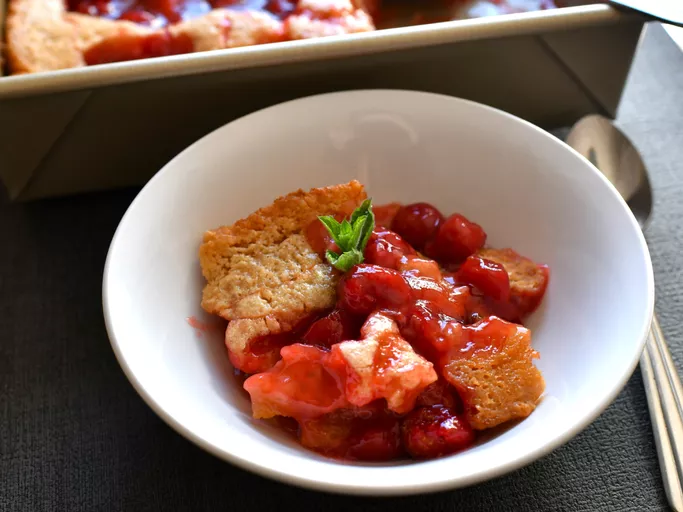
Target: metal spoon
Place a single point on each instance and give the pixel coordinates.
(597, 139)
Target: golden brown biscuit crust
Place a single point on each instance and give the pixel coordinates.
(262, 265)
(498, 385)
(262, 274)
(42, 36)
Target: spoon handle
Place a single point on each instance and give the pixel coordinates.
(665, 400)
(667, 11)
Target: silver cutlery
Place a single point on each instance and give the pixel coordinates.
(597, 139)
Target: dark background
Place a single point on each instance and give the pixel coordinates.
(75, 436)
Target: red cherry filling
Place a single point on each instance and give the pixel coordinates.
(456, 238)
(382, 365)
(434, 431)
(385, 213)
(301, 385)
(319, 238)
(338, 326)
(402, 383)
(134, 47)
(487, 276)
(417, 223)
(387, 249)
(528, 280)
(438, 393)
(367, 288)
(369, 433)
(261, 353)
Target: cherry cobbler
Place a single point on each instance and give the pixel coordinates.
(383, 331)
(45, 35)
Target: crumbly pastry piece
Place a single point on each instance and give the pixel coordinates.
(38, 37)
(383, 365)
(42, 36)
(499, 383)
(309, 382)
(330, 18)
(528, 280)
(262, 274)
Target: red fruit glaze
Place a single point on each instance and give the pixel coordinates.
(432, 333)
(528, 280)
(382, 365)
(369, 433)
(369, 383)
(447, 299)
(438, 393)
(387, 249)
(366, 288)
(488, 334)
(430, 432)
(417, 223)
(301, 385)
(455, 240)
(166, 12)
(262, 352)
(487, 276)
(133, 47)
(419, 266)
(385, 213)
(378, 440)
(139, 16)
(336, 327)
(319, 238)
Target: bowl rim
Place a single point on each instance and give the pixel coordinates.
(370, 489)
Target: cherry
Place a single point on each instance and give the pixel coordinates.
(334, 328)
(455, 240)
(487, 276)
(430, 432)
(417, 223)
(281, 8)
(134, 46)
(319, 238)
(387, 249)
(437, 393)
(419, 266)
(300, 385)
(385, 213)
(528, 280)
(448, 299)
(138, 16)
(93, 8)
(366, 288)
(431, 332)
(262, 352)
(379, 440)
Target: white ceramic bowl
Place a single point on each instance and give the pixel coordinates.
(527, 189)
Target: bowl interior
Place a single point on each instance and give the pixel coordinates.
(526, 189)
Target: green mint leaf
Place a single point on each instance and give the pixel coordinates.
(345, 236)
(332, 257)
(348, 259)
(332, 225)
(362, 210)
(359, 231)
(351, 236)
(368, 226)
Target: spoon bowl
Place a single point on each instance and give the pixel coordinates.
(597, 139)
(608, 149)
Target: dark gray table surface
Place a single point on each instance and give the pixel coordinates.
(75, 436)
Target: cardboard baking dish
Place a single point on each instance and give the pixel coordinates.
(115, 125)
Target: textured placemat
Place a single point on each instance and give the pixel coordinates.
(74, 436)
